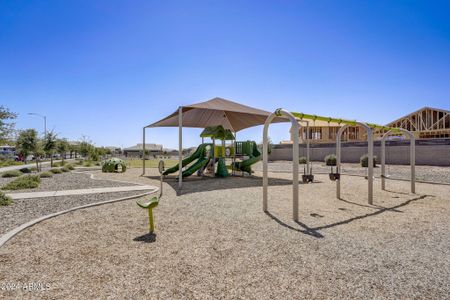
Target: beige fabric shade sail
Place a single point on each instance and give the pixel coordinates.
(215, 112)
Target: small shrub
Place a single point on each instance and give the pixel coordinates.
(79, 162)
(56, 171)
(59, 164)
(65, 169)
(87, 163)
(12, 173)
(46, 175)
(25, 170)
(5, 200)
(302, 160)
(364, 160)
(33, 169)
(23, 182)
(330, 160)
(70, 167)
(9, 162)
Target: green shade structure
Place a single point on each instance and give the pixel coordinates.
(218, 133)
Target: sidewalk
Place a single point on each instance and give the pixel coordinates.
(81, 191)
(30, 165)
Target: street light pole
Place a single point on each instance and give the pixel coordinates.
(45, 121)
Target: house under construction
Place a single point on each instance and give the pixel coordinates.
(425, 123)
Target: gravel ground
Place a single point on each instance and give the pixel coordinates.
(423, 173)
(214, 242)
(69, 181)
(25, 210)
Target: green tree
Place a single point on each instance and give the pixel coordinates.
(38, 152)
(6, 128)
(49, 145)
(85, 146)
(62, 146)
(73, 149)
(27, 142)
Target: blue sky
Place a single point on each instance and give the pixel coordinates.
(104, 69)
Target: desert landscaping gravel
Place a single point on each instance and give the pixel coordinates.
(423, 173)
(69, 181)
(26, 210)
(213, 241)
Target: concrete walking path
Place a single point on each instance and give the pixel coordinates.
(81, 191)
(30, 165)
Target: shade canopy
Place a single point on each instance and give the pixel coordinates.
(217, 111)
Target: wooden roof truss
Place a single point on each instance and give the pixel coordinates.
(424, 120)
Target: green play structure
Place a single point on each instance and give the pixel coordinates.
(113, 165)
(201, 157)
(249, 149)
(208, 155)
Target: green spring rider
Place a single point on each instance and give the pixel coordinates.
(152, 203)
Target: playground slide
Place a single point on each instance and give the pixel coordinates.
(199, 154)
(254, 157)
(200, 163)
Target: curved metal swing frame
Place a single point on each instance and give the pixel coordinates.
(370, 159)
(412, 157)
(295, 127)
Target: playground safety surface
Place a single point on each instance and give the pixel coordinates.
(213, 241)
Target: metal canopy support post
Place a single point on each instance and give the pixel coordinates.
(180, 147)
(383, 160)
(412, 158)
(370, 160)
(295, 128)
(143, 151)
(308, 149)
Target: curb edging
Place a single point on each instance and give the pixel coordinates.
(10, 234)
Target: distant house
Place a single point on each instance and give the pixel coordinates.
(425, 123)
(136, 151)
(114, 150)
(170, 152)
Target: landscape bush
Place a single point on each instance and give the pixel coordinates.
(59, 164)
(12, 173)
(70, 167)
(364, 160)
(25, 170)
(10, 162)
(330, 160)
(33, 169)
(56, 171)
(46, 175)
(23, 182)
(302, 160)
(5, 200)
(87, 163)
(65, 169)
